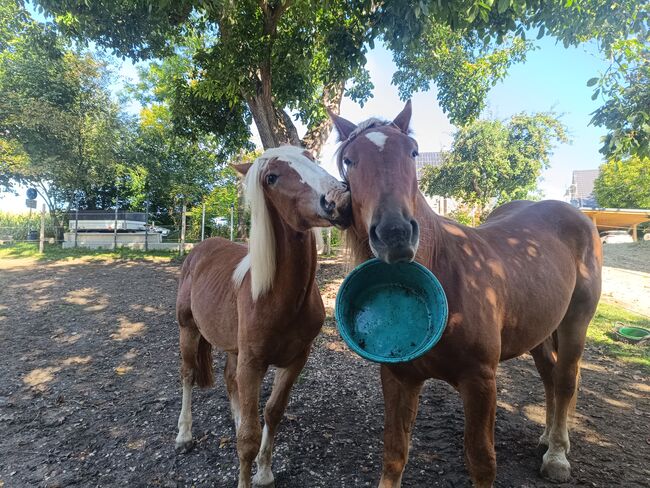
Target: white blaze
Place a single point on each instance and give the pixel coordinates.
(377, 138)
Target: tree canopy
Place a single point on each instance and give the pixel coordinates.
(59, 128)
(266, 59)
(493, 162)
(624, 184)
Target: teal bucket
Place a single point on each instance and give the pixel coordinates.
(391, 313)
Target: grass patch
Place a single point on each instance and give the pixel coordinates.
(54, 252)
(601, 334)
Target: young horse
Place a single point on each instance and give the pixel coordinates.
(528, 279)
(261, 306)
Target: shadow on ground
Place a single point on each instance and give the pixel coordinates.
(90, 396)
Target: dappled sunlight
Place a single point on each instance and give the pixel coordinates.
(137, 444)
(535, 413)
(643, 387)
(454, 230)
(611, 401)
(39, 378)
(597, 368)
(128, 329)
(506, 406)
(88, 298)
(123, 369)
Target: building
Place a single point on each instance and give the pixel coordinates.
(440, 205)
(581, 192)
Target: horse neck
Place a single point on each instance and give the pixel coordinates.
(295, 258)
(431, 233)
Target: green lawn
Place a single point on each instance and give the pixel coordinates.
(56, 253)
(601, 334)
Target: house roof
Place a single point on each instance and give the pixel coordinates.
(584, 182)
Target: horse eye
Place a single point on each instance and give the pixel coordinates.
(347, 162)
(270, 179)
(415, 153)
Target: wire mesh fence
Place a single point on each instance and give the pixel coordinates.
(175, 231)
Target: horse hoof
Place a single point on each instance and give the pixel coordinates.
(263, 480)
(556, 469)
(184, 446)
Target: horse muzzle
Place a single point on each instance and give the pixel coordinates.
(394, 238)
(337, 206)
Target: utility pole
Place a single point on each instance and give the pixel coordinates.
(181, 249)
(232, 221)
(203, 223)
(41, 244)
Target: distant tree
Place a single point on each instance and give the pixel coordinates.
(60, 131)
(493, 162)
(624, 184)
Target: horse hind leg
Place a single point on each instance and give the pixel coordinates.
(571, 335)
(273, 412)
(545, 358)
(196, 367)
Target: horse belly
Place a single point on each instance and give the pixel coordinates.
(215, 315)
(538, 317)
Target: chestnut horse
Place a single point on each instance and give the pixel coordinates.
(262, 305)
(528, 279)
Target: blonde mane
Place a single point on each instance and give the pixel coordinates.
(260, 260)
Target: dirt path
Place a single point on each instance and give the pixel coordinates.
(626, 276)
(89, 396)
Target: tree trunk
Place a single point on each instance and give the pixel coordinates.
(274, 125)
(317, 135)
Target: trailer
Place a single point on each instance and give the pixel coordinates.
(107, 221)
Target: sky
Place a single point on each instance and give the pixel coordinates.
(552, 78)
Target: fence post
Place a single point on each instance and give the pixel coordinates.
(203, 223)
(41, 244)
(76, 224)
(181, 249)
(115, 230)
(146, 227)
(232, 221)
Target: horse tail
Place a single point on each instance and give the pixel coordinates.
(204, 373)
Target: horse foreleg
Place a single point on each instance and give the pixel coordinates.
(401, 398)
(249, 434)
(275, 407)
(478, 392)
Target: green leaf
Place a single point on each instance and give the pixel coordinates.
(503, 6)
(592, 81)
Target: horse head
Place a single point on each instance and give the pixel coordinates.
(377, 160)
(303, 194)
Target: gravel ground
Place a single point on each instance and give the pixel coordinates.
(90, 394)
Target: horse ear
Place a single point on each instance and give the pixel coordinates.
(343, 127)
(403, 119)
(243, 168)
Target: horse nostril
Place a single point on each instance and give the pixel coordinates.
(373, 233)
(328, 207)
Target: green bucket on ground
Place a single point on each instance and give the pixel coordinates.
(391, 313)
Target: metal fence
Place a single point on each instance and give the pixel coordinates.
(116, 228)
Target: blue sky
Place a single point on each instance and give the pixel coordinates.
(552, 78)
